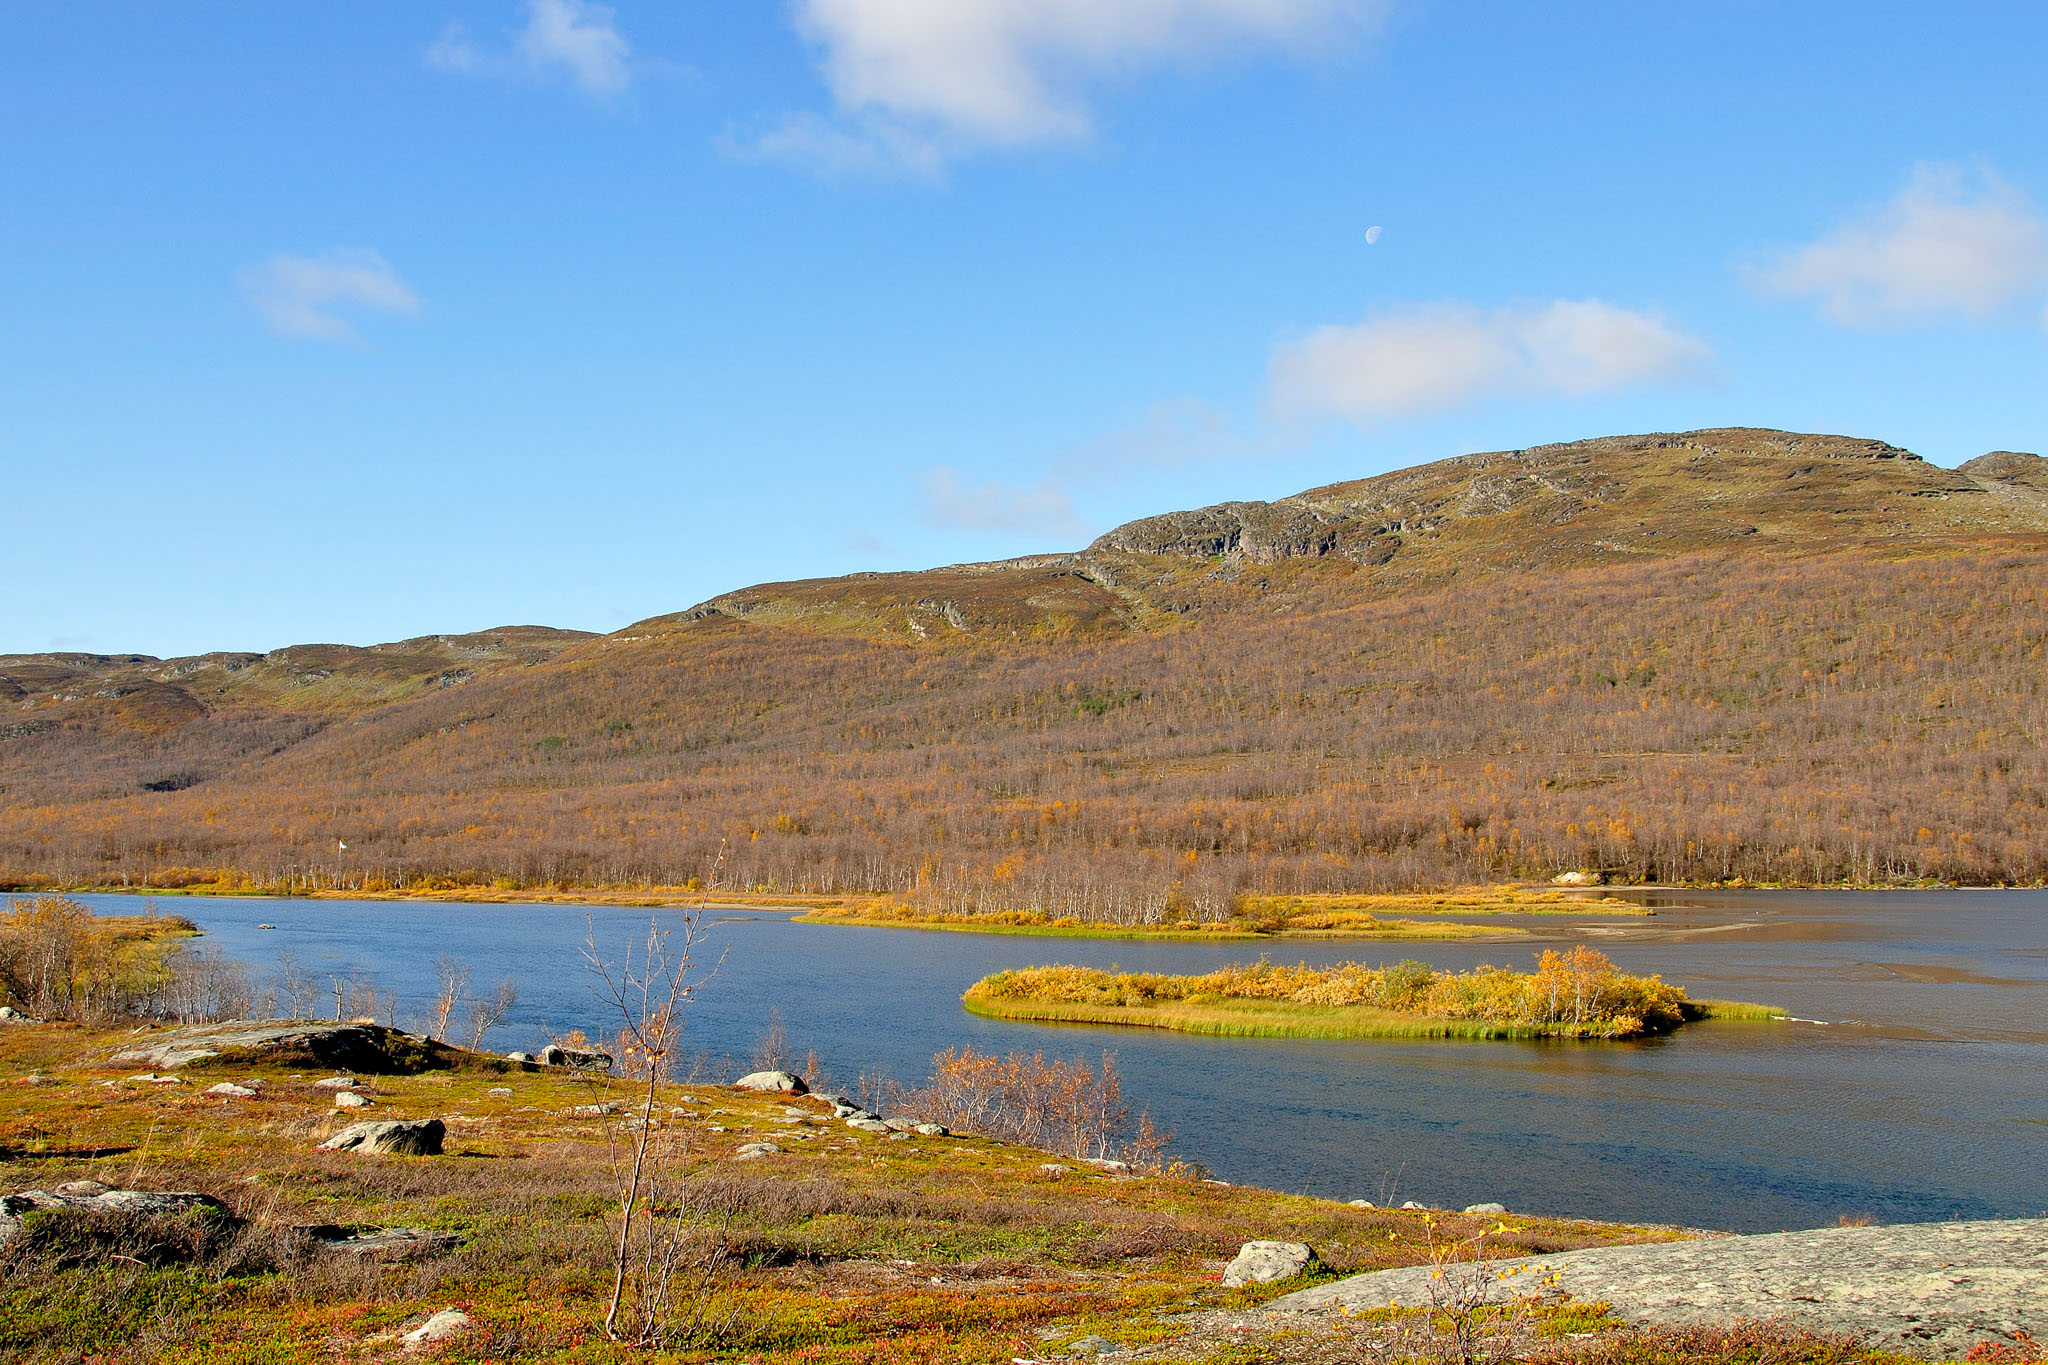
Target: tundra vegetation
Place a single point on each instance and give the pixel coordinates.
(1704, 659)
(637, 1214)
(1575, 994)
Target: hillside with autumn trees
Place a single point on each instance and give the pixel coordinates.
(1684, 658)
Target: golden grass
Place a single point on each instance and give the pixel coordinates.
(884, 914)
(1577, 994)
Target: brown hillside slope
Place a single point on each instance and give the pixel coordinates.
(1852, 691)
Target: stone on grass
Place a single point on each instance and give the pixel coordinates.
(1488, 1207)
(1093, 1345)
(443, 1326)
(1362, 1204)
(577, 1059)
(524, 1058)
(343, 1047)
(229, 1090)
(867, 1125)
(499, 1091)
(393, 1137)
(349, 1099)
(1113, 1167)
(1411, 1204)
(773, 1082)
(336, 1083)
(1267, 1262)
(754, 1151)
(93, 1197)
(392, 1243)
(932, 1130)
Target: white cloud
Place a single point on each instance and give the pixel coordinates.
(1444, 355)
(1949, 244)
(562, 39)
(297, 294)
(811, 142)
(1039, 509)
(958, 74)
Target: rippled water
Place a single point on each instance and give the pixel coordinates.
(1922, 1095)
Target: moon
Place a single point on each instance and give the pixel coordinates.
(1372, 234)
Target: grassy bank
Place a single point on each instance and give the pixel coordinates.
(843, 1246)
(1570, 995)
(1038, 924)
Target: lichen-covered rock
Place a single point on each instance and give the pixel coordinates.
(370, 1048)
(773, 1082)
(576, 1059)
(445, 1325)
(91, 1196)
(392, 1137)
(1267, 1262)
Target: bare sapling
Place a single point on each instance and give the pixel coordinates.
(662, 1290)
(452, 985)
(1474, 1312)
(486, 1012)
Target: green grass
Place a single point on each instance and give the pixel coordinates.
(1736, 1010)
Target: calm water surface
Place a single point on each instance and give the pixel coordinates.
(1921, 1094)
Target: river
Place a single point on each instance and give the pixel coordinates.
(1917, 1091)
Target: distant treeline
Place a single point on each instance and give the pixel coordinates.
(1838, 718)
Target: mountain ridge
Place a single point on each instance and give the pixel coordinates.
(1691, 657)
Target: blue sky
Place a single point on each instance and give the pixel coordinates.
(359, 322)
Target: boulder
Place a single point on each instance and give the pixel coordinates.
(93, 1197)
(229, 1090)
(499, 1092)
(933, 1130)
(900, 1125)
(754, 1151)
(773, 1082)
(395, 1243)
(577, 1059)
(1103, 1163)
(1488, 1207)
(1363, 1204)
(336, 1083)
(349, 1099)
(1267, 1262)
(445, 1325)
(1579, 878)
(393, 1137)
(369, 1048)
(523, 1058)
(867, 1125)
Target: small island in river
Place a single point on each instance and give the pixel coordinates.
(1576, 994)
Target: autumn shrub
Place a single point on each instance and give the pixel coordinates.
(1073, 1108)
